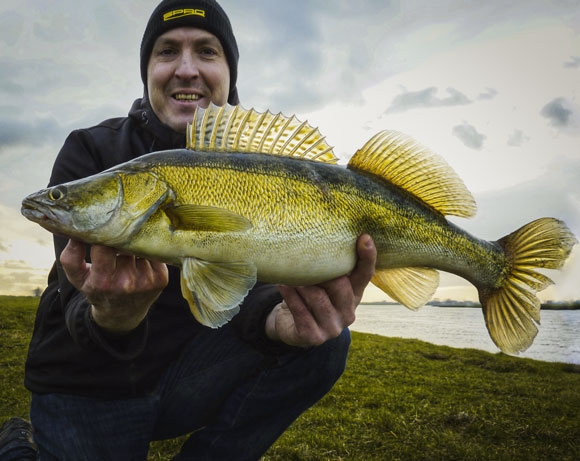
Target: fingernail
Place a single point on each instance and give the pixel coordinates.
(368, 242)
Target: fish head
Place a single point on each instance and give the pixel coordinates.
(77, 208)
(106, 208)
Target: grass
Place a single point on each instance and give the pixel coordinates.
(399, 400)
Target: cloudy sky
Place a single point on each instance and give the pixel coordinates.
(491, 86)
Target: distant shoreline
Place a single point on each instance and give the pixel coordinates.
(550, 305)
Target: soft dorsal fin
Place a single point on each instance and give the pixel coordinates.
(235, 129)
(400, 160)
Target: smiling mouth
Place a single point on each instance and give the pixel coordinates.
(186, 97)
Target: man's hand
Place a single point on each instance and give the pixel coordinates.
(310, 316)
(120, 288)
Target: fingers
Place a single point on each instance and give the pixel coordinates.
(305, 318)
(110, 271)
(105, 260)
(127, 273)
(339, 298)
(73, 254)
(157, 271)
(315, 318)
(312, 315)
(365, 266)
(120, 288)
(294, 323)
(73, 262)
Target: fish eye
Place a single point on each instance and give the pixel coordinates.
(57, 193)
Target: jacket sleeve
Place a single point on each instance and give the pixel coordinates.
(250, 323)
(79, 158)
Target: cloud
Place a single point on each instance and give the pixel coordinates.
(558, 112)
(489, 93)
(12, 25)
(15, 265)
(427, 98)
(34, 77)
(298, 59)
(517, 138)
(18, 278)
(30, 133)
(280, 44)
(573, 63)
(469, 136)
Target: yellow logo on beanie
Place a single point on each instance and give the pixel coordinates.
(175, 14)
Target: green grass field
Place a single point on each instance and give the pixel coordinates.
(398, 400)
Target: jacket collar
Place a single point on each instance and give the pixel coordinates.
(163, 137)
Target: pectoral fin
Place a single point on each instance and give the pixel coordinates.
(215, 290)
(206, 218)
(410, 286)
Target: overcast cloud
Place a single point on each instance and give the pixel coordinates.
(426, 98)
(558, 112)
(469, 136)
(492, 86)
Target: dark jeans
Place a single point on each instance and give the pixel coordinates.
(237, 400)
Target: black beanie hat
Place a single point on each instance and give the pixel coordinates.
(203, 14)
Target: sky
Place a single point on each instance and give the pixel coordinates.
(493, 87)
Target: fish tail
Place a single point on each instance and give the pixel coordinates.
(512, 310)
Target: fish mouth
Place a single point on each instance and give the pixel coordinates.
(32, 211)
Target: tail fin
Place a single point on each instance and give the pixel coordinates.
(513, 310)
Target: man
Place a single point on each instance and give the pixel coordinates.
(116, 359)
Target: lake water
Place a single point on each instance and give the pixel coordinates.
(558, 339)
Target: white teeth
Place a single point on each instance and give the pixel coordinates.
(186, 97)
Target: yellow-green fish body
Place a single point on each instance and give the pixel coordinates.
(303, 215)
(238, 207)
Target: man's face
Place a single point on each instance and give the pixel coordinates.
(187, 68)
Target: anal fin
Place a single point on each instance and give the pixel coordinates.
(214, 291)
(410, 286)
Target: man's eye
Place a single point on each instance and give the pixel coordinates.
(166, 52)
(208, 52)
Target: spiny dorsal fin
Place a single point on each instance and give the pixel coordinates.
(235, 129)
(402, 161)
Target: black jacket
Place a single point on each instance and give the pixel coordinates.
(69, 353)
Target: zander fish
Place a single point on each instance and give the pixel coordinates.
(258, 197)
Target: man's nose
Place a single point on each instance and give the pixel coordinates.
(187, 67)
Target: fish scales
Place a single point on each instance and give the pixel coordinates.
(271, 194)
(318, 208)
(230, 216)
